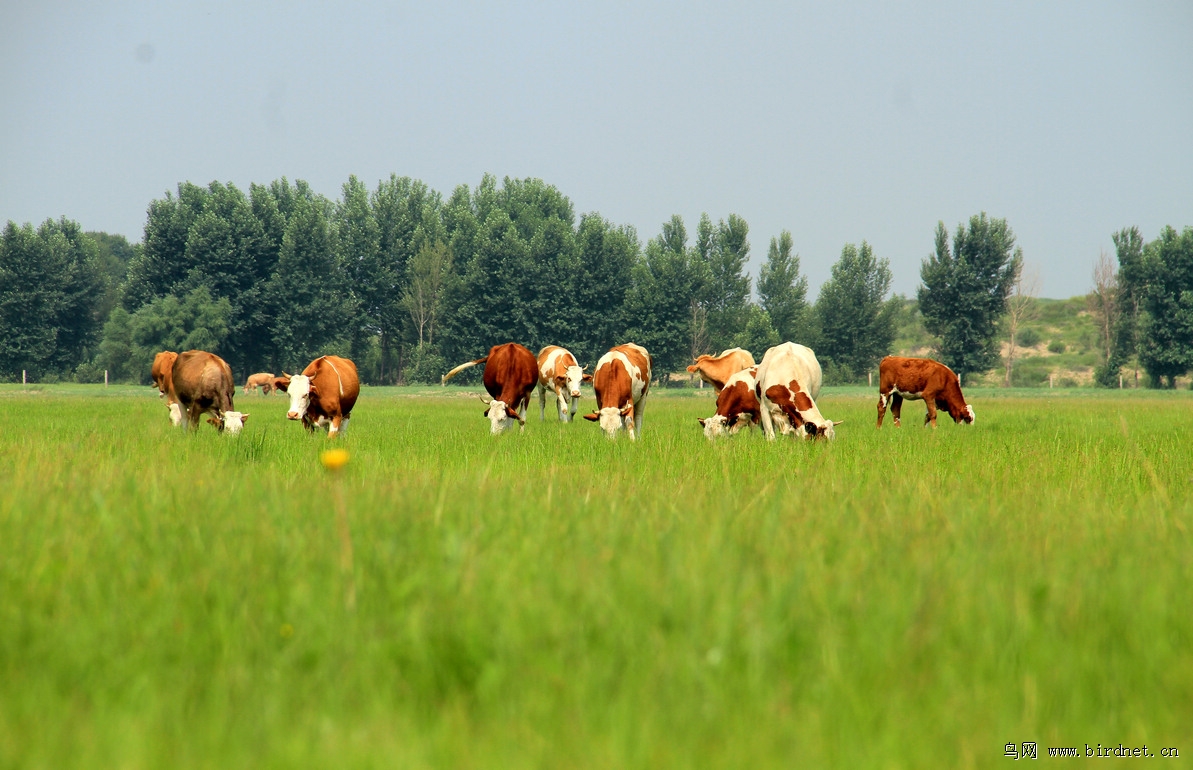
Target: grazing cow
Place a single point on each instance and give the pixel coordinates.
(323, 395)
(201, 382)
(511, 373)
(737, 406)
(621, 382)
(787, 384)
(264, 379)
(163, 368)
(920, 379)
(558, 371)
(717, 370)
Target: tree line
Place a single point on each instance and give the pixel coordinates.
(406, 281)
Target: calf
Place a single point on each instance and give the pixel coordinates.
(201, 382)
(920, 379)
(323, 395)
(716, 370)
(511, 373)
(264, 379)
(621, 382)
(737, 406)
(162, 373)
(559, 372)
(787, 384)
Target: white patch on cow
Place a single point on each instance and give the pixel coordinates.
(972, 417)
(612, 420)
(909, 396)
(500, 419)
(715, 426)
(300, 396)
(233, 422)
(175, 414)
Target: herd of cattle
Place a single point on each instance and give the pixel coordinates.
(780, 392)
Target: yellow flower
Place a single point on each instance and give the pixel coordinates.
(334, 459)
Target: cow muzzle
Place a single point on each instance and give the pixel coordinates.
(292, 415)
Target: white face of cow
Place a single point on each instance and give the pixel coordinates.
(234, 421)
(715, 426)
(575, 376)
(969, 411)
(501, 417)
(613, 419)
(300, 396)
(175, 415)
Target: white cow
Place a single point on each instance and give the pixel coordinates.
(559, 372)
(621, 382)
(788, 382)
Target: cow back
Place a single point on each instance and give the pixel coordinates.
(622, 376)
(337, 385)
(511, 373)
(203, 378)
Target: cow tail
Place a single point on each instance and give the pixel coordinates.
(461, 368)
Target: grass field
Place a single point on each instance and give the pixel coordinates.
(899, 599)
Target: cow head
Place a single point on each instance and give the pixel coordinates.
(300, 389)
(613, 419)
(815, 431)
(968, 416)
(714, 426)
(281, 383)
(570, 381)
(501, 417)
(229, 422)
(175, 414)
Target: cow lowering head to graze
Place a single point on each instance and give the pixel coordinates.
(920, 379)
(716, 370)
(201, 382)
(787, 384)
(264, 379)
(559, 373)
(162, 373)
(323, 395)
(737, 406)
(511, 373)
(621, 382)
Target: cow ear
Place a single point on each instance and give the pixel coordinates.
(592, 417)
(587, 378)
(486, 411)
(313, 390)
(244, 418)
(700, 420)
(213, 421)
(625, 410)
(810, 429)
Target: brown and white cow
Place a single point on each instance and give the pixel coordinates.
(264, 379)
(163, 368)
(201, 382)
(621, 382)
(920, 379)
(323, 395)
(788, 382)
(511, 374)
(737, 406)
(716, 370)
(560, 373)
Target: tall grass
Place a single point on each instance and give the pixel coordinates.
(900, 598)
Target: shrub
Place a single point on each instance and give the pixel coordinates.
(425, 365)
(1056, 346)
(1028, 338)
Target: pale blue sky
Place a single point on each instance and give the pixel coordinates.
(871, 121)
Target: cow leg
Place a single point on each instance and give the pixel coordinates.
(344, 424)
(930, 418)
(768, 426)
(882, 399)
(334, 429)
(638, 410)
(542, 402)
(562, 405)
(896, 405)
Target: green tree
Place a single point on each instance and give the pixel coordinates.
(1130, 290)
(783, 292)
(759, 334)
(856, 321)
(1166, 333)
(964, 291)
(608, 255)
(725, 250)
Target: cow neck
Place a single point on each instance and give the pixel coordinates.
(337, 371)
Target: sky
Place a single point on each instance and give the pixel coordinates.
(840, 122)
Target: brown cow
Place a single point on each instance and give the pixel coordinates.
(202, 382)
(163, 366)
(621, 382)
(921, 379)
(787, 385)
(264, 379)
(716, 370)
(511, 373)
(737, 406)
(323, 395)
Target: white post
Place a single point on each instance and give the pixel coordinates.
(105, 378)
(22, 376)
(870, 379)
(1120, 381)
(1050, 380)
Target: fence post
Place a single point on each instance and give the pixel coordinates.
(22, 376)
(870, 379)
(1050, 380)
(1120, 381)
(105, 378)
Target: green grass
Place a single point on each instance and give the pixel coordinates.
(900, 598)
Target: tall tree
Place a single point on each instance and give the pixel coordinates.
(1021, 308)
(1132, 284)
(428, 275)
(1166, 351)
(30, 298)
(358, 243)
(608, 255)
(856, 321)
(783, 292)
(964, 291)
(83, 285)
(1105, 308)
(727, 288)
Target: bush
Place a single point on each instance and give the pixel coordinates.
(425, 365)
(1028, 338)
(1056, 346)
